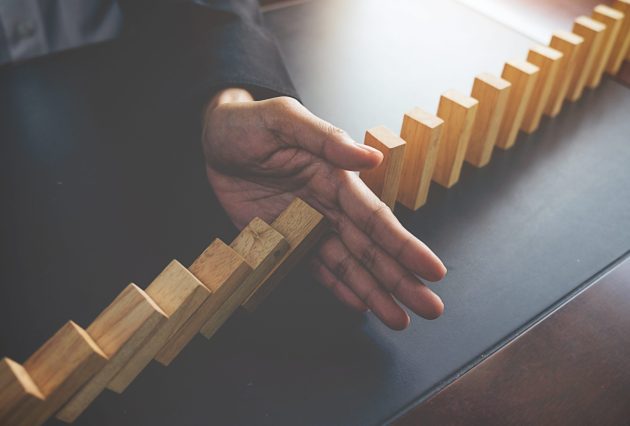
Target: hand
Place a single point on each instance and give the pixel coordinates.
(262, 154)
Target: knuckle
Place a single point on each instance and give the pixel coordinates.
(378, 212)
(368, 256)
(342, 268)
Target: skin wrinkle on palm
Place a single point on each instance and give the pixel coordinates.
(262, 154)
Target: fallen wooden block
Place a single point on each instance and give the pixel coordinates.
(263, 248)
(592, 32)
(18, 393)
(522, 75)
(178, 293)
(384, 179)
(302, 226)
(548, 61)
(50, 376)
(613, 20)
(569, 44)
(492, 93)
(458, 112)
(119, 331)
(421, 131)
(221, 270)
(621, 47)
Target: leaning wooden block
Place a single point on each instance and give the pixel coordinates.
(18, 393)
(613, 20)
(421, 131)
(221, 270)
(592, 32)
(458, 112)
(492, 93)
(569, 44)
(522, 75)
(178, 293)
(119, 331)
(621, 46)
(302, 226)
(263, 248)
(69, 359)
(384, 179)
(548, 61)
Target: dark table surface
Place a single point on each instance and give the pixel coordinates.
(102, 183)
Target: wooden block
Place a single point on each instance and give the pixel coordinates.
(18, 393)
(221, 270)
(69, 359)
(592, 32)
(384, 179)
(262, 247)
(522, 75)
(548, 61)
(492, 93)
(458, 112)
(421, 131)
(302, 226)
(621, 45)
(613, 20)
(569, 44)
(119, 331)
(178, 293)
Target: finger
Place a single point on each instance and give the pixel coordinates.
(390, 274)
(339, 289)
(347, 270)
(323, 139)
(375, 219)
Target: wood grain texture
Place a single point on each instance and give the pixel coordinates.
(522, 75)
(179, 294)
(69, 359)
(18, 392)
(569, 44)
(119, 331)
(621, 46)
(421, 131)
(492, 93)
(221, 270)
(613, 19)
(263, 248)
(548, 61)
(592, 32)
(569, 369)
(302, 226)
(458, 112)
(385, 179)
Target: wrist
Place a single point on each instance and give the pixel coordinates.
(229, 95)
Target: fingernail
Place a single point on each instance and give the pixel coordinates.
(367, 148)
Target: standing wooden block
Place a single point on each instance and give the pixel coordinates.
(613, 20)
(262, 247)
(178, 293)
(69, 359)
(548, 61)
(221, 270)
(421, 131)
(522, 75)
(119, 331)
(458, 112)
(302, 226)
(492, 93)
(569, 44)
(18, 393)
(592, 32)
(384, 179)
(621, 47)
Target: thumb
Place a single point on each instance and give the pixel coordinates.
(331, 143)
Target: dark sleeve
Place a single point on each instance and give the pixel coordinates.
(208, 45)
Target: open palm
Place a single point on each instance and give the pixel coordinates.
(260, 155)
